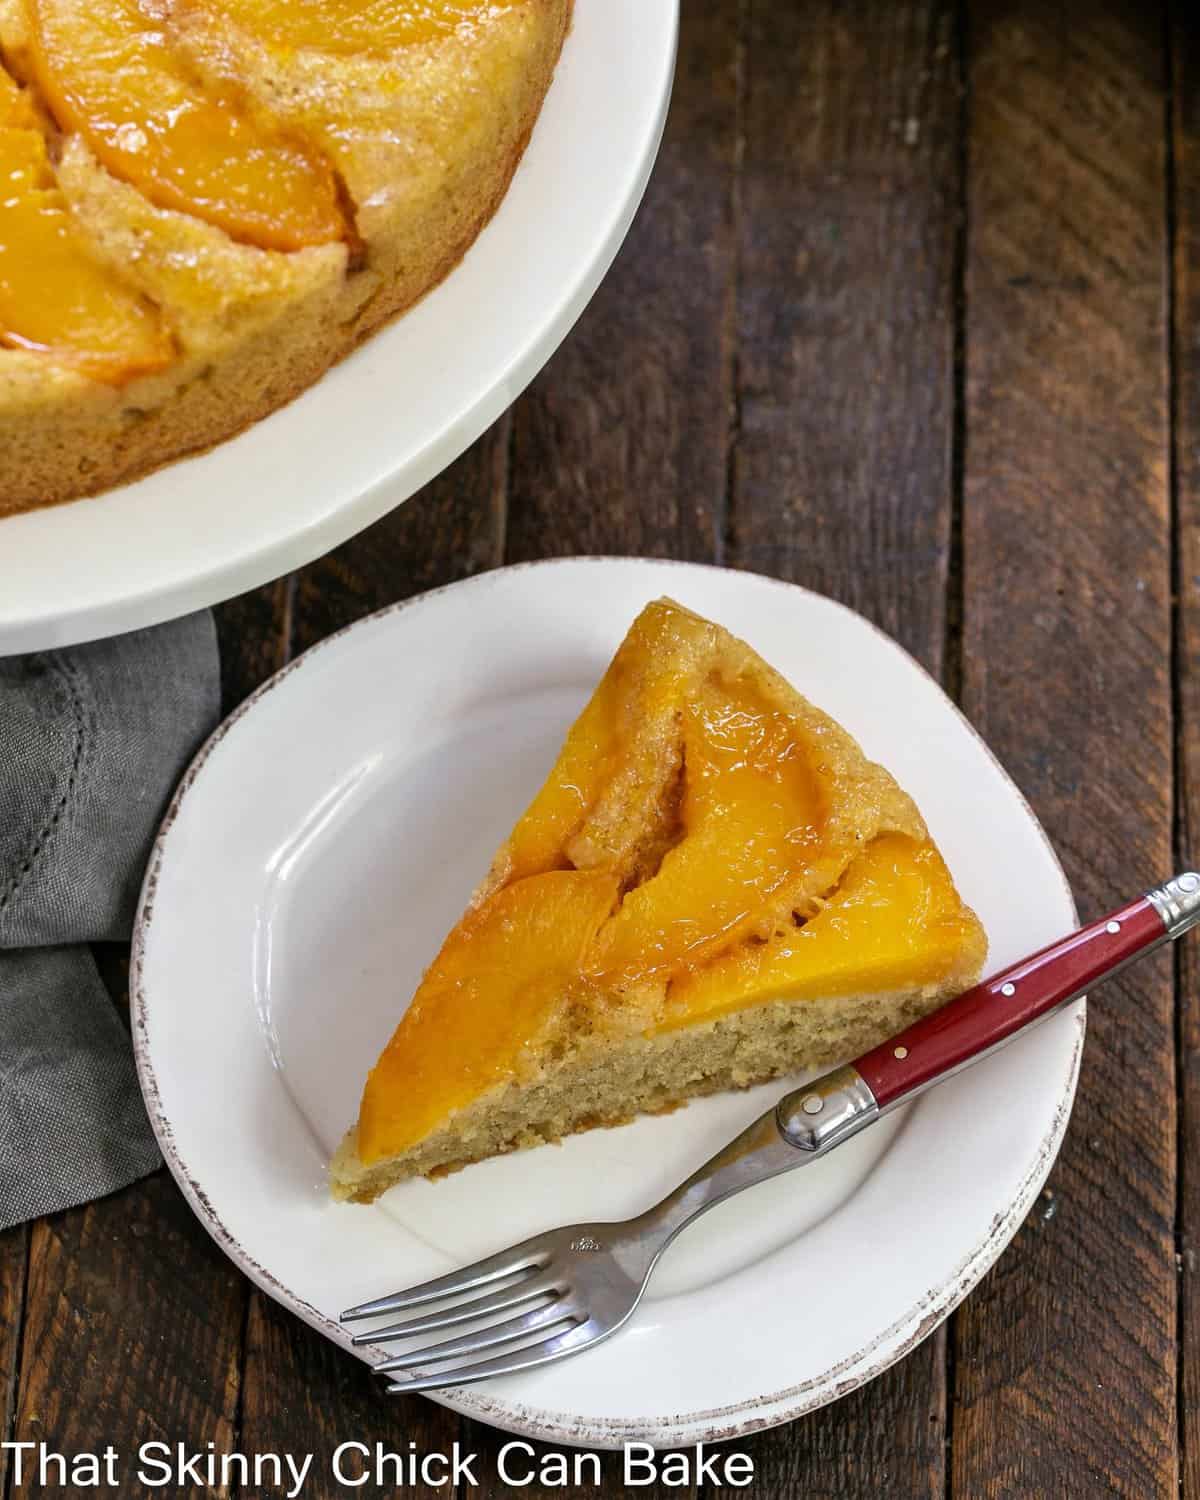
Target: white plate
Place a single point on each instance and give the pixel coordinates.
(398, 410)
(330, 833)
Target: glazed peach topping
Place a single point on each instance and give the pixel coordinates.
(710, 929)
(110, 71)
(55, 297)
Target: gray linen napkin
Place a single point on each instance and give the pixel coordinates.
(92, 741)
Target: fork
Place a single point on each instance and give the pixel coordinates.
(561, 1292)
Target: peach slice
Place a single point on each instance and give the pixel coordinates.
(584, 766)
(55, 297)
(600, 773)
(496, 982)
(107, 69)
(895, 921)
(16, 108)
(753, 815)
(348, 26)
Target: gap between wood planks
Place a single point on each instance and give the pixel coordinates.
(952, 651)
(1170, 226)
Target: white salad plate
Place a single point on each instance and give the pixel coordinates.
(330, 833)
(399, 409)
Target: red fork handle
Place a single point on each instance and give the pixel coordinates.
(822, 1114)
(989, 1014)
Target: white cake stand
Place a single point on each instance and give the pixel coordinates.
(401, 408)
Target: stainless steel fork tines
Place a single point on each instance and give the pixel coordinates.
(525, 1302)
(565, 1290)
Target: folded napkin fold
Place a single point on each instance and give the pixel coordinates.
(92, 741)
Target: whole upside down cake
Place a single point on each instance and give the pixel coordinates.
(205, 203)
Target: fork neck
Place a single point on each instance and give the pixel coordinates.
(803, 1126)
(758, 1153)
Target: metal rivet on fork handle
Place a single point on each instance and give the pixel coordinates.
(1177, 902)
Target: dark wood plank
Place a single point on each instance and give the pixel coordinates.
(1065, 1356)
(1185, 127)
(842, 472)
(886, 1439)
(14, 1256)
(453, 528)
(621, 444)
(253, 632)
(132, 1331)
(302, 1395)
(850, 204)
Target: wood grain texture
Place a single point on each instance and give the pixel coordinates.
(850, 202)
(842, 466)
(620, 445)
(132, 1330)
(253, 635)
(302, 1395)
(1185, 135)
(1065, 1355)
(454, 527)
(885, 1439)
(14, 1257)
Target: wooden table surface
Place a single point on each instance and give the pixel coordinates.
(910, 315)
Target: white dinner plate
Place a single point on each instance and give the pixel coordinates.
(398, 410)
(330, 833)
